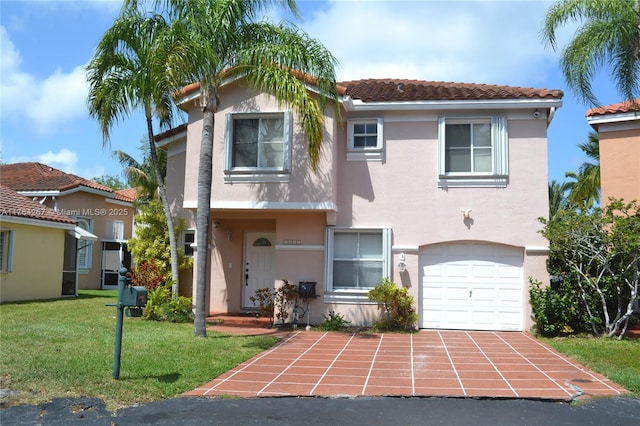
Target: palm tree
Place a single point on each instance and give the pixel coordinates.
(142, 174)
(558, 200)
(585, 187)
(610, 34)
(128, 72)
(223, 39)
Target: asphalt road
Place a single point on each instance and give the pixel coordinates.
(330, 411)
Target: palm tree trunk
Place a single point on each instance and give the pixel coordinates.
(162, 191)
(203, 214)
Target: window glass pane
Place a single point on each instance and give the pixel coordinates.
(371, 246)
(272, 155)
(345, 246)
(457, 135)
(344, 274)
(482, 135)
(369, 274)
(245, 130)
(457, 160)
(372, 128)
(359, 128)
(482, 160)
(245, 154)
(271, 129)
(359, 141)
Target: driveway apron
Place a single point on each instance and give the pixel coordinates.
(428, 363)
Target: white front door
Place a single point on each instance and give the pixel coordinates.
(472, 286)
(258, 265)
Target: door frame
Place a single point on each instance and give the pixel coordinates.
(249, 239)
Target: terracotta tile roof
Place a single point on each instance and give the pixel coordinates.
(128, 194)
(618, 108)
(397, 90)
(171, 132)
(16, 205)
(40, 177)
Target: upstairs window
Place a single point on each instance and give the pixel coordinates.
(257, 144)
(84, 253)
(365, 139)
(473, 151)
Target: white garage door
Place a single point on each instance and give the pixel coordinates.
(472, 286)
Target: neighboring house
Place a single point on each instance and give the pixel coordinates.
(97, 209)
(618, 128)
(435, 185)
(37, 249)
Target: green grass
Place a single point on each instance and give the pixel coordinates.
(65, 348)
(619, 360)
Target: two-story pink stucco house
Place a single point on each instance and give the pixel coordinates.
(435, 185)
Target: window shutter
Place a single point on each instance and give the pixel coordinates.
(500, 146)
(441, 147)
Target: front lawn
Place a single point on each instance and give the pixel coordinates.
(619, 360)
(65, 348)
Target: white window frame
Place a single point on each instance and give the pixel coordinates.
(6, 251)
(85, 260)
(192, 232)
(114, 229)
(353, 295)
(257, 174)
(499, 175)
(374, 153)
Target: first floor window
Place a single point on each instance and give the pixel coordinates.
(6, 250)
(189, 238)
(358, 258)
(84, 253)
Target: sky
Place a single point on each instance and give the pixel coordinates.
(46, 45)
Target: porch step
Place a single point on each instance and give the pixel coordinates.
(239, 319)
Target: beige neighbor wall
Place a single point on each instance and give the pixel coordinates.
(620, 163)
(36, 273)
(99, 210)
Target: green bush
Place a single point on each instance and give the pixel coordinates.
(162, 307)
(333, 322)
(553, 311)
(398, 307)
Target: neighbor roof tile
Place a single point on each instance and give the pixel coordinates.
(16, 205)
(617, 108)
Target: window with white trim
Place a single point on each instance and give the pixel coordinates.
(189, 238)
(473, 151)
(257, 145)
(6, 250)
(84, 252)
(365, 139)
(357, 259)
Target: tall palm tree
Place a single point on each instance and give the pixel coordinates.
(224, 39)
(129, 72)
(585, 187)
(142, 174)
(609, 35)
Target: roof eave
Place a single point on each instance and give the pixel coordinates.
(350, 104)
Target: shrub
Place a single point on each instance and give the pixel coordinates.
(148, 275)
(162, 307)
(268, 300)
(333, 322)
(397, 305)
(552, 311)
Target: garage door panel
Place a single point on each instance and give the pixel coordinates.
(472, 286)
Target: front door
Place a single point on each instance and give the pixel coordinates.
(258, 265)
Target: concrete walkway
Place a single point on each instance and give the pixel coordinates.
(428, 363)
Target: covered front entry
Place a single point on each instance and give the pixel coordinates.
(472, 286)
(259, 265)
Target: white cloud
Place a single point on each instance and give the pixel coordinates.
(479, 41)
(44, 104)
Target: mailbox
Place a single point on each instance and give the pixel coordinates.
(134, 296)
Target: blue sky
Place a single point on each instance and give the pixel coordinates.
(45, 46)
